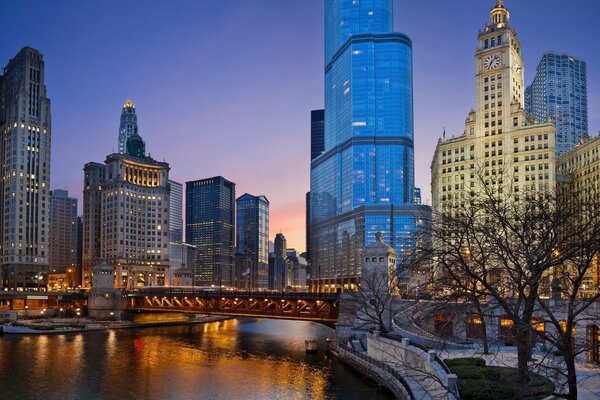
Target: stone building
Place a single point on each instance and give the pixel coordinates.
(25, 126)
(502, 149)
(126, 217)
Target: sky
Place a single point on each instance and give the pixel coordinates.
(225, 87)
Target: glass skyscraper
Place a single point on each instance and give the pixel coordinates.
(559, 93)
(363, 183)
(317, 133)
(253, 240)
(210, 226)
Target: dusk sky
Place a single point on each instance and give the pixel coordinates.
(225, 87)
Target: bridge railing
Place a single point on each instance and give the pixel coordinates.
(191, 292)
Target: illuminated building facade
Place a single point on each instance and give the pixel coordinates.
(363, 182)
(25, 126)
(210, 227)
(126, 217)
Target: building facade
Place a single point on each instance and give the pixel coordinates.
(278, 263)
(578, 173)
(63, 232)
(126, 217)
(176, 212)
(502, 150)
(558, 93)
(364, 181)
(253, 239)
(210, 227)
(25, 126)
(128, 126)
(317, 133)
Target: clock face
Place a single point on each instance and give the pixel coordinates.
(518, 69)
(492, 62)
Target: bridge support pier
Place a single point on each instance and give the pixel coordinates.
(104, 302)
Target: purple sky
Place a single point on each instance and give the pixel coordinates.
(225, 87)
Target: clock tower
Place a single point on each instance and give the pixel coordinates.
(499, 76)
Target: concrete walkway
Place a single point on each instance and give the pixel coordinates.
(588, 376)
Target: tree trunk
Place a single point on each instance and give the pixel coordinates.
(571, 371)
(486, 345)
(522, 341)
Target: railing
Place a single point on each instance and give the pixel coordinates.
(383, 366)
(217, 292)
(437, 359)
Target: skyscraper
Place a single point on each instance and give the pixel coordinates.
(210, 226)
(126, 217)
(175, 212)
(317, 133)
(25, 126)
(363, 183)
(63, 231)
(559, 93)
(128, 125)
(278, 263)
(253, 238)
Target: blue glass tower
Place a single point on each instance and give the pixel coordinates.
(559, 93)
(363, 183)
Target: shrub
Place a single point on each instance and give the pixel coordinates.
(474, 361)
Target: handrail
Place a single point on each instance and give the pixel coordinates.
(229, 294)
(383, 366)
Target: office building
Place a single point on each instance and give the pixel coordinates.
(175, 212)
(210, 227)
(364, 181)
(25, 126)
(317, 133)
(502, 150)
(126, 217)
(253, 239)
(558, 93)
(278, 263)
(63, 231)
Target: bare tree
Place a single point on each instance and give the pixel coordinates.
(372, 302)
(492, 249)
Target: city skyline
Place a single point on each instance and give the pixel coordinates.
(249, 96)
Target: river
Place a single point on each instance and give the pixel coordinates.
(233, 359)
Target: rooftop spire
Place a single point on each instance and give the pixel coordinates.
(499, 14)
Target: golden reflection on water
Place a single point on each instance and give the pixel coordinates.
(232, 359)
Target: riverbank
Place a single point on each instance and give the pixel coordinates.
(70, 325)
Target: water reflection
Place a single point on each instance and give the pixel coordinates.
(233, 359)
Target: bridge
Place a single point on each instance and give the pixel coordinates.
(317, 307)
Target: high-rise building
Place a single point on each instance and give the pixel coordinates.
(63, 231)
(502, 150)
(559, 93)
(363, 183)
(317, 146)
(126, 217)
(253, 238)
(317, 133)
(210, 226)
(278, 263)
(175, 210)
(25, 126)
(128, 126)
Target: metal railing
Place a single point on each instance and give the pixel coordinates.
(383, 366)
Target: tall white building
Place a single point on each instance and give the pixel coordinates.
(502, 148)
(25, 126)
(126, 217)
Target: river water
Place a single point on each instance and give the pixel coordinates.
(232, 359)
